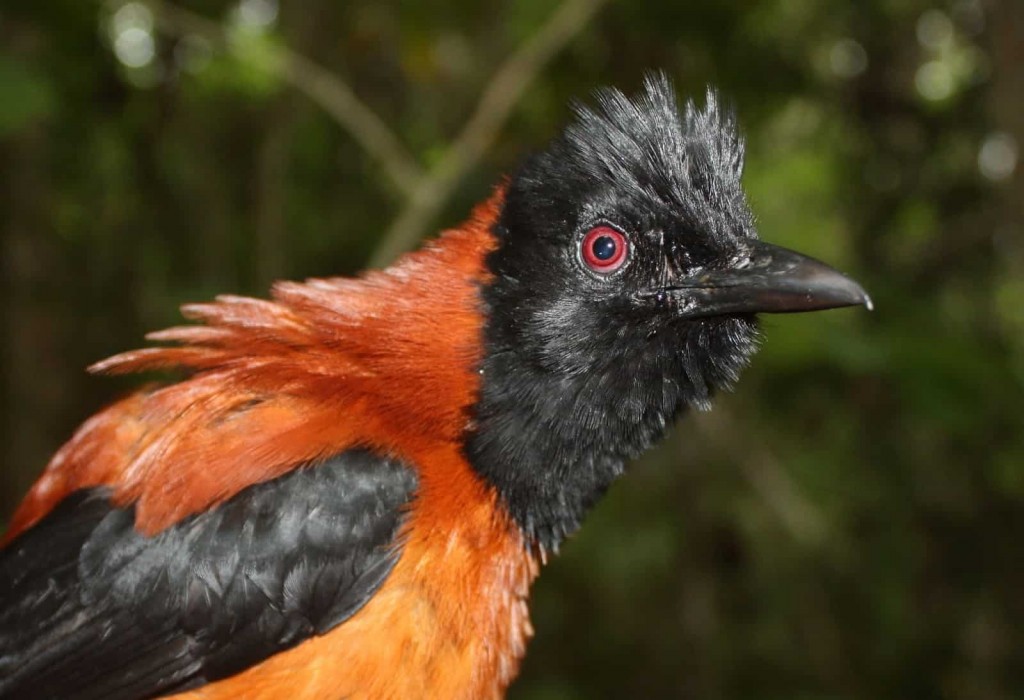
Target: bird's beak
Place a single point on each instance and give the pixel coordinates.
(771, 280)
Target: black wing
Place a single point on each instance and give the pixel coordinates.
(90, 608)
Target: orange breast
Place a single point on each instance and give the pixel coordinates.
(450, 622)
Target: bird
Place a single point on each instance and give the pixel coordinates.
(351, 489)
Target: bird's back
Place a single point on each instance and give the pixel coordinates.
(381, 364)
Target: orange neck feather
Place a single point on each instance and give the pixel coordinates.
(387, 361)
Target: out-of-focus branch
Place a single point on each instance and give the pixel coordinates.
(502, 93)
(799, 516)
(426, 193)
(318, 84)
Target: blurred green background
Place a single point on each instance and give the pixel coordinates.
(848, 524)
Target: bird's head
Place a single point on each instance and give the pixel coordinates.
(626, 283)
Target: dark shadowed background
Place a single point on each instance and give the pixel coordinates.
(848, 524)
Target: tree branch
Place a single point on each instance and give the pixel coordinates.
(502, 93)
(426, 193)
(780, 494)
(318, 84)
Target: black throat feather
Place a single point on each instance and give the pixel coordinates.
(551, 444)
(582, 373)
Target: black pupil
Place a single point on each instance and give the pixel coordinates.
(603, 248)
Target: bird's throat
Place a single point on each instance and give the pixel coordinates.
(551, 446)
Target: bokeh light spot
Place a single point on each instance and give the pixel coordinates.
(935, 30)
(256, 14)
(131, 35)
(134, 47)
(934, 81)
(848, 59)
(997, 157)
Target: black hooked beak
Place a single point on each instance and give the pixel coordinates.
(771, 280)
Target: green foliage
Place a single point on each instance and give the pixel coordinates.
(249, 68)
(25, 95)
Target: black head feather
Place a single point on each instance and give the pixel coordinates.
(583, 370)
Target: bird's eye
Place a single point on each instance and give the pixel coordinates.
(604, 249)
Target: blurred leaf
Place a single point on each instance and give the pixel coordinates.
(250, 68)
(26, 95)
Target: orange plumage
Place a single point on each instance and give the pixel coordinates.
(284, 382)
(274, 377)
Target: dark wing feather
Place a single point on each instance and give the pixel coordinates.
(90, 608)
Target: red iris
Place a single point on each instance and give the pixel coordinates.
(604, 249)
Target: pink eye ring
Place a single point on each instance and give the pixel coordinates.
(604, 249)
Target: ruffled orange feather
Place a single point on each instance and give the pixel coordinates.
(385, 361)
